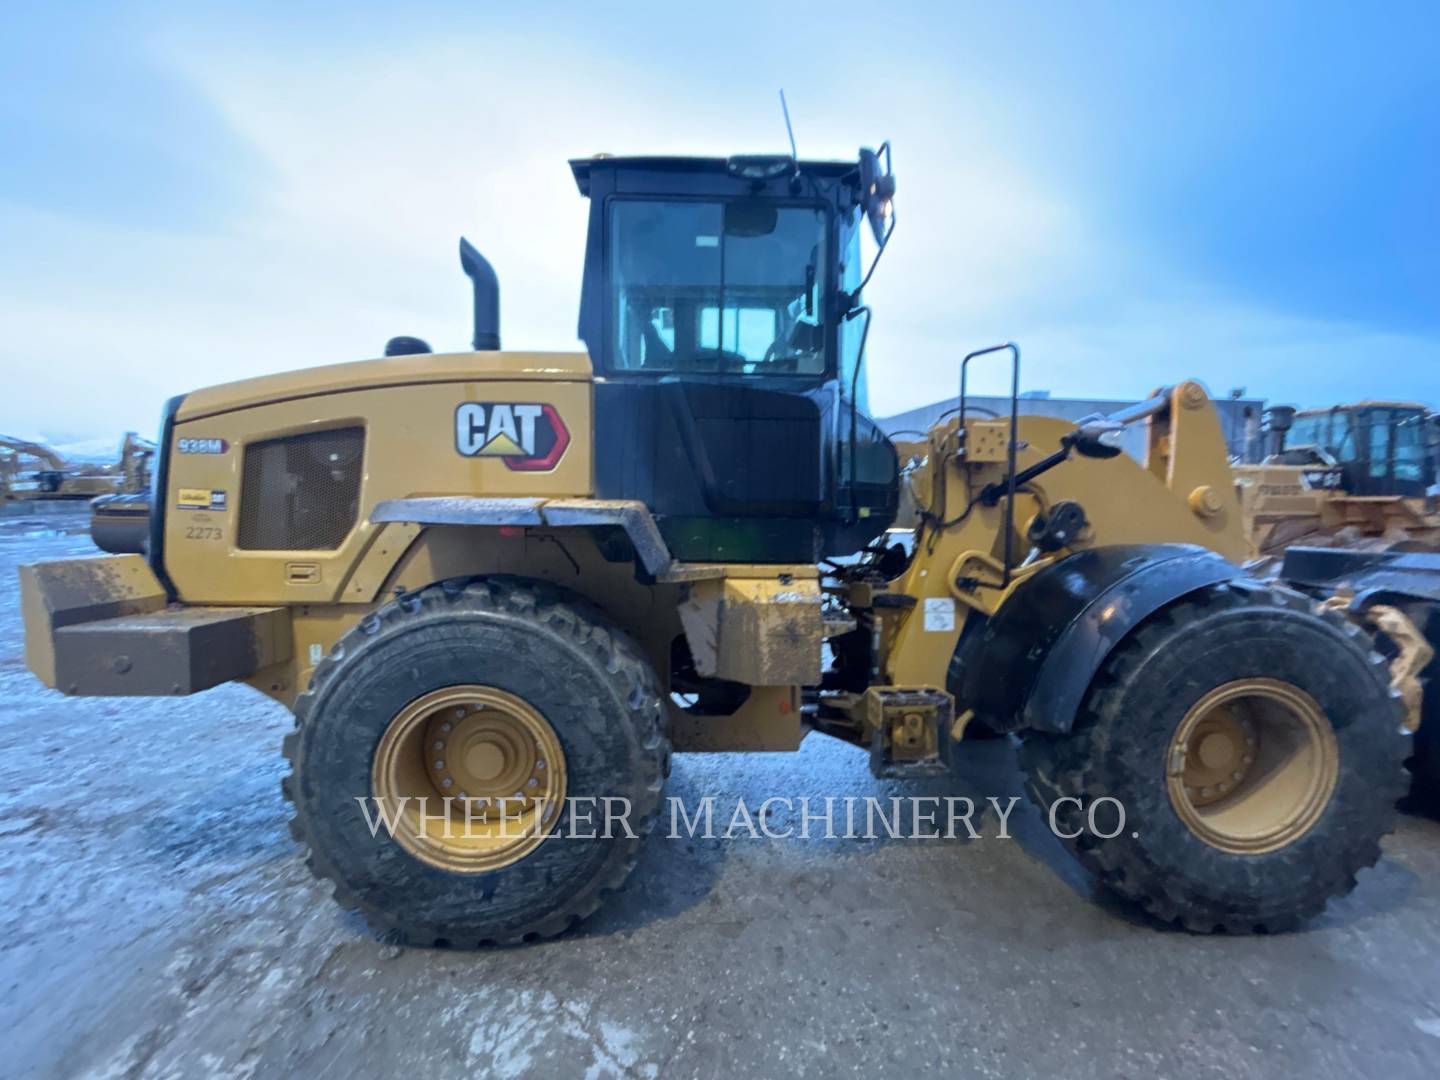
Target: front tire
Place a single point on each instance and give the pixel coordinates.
(550, 699)
(1256, 748)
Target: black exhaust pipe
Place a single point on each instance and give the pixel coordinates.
(1278, 421)
(487, 296)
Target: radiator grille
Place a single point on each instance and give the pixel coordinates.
(302, 492)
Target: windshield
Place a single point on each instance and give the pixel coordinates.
(717, 287)
(1328, 431)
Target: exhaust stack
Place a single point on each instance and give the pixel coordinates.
(487, 296)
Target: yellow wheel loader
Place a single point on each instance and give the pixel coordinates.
(500, 588)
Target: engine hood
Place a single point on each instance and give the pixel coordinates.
(389, 371)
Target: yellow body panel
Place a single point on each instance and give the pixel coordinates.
(758, 630)
(391, 371)
(1126, 502)
(439, 553)
(410, 450)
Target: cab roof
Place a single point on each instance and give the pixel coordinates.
(712, 166)
(1368, 404)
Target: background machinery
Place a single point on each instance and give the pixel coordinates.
(1342, 508)
(500, 588)
(1350, 475)
(31, 470)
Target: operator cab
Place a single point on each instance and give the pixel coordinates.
(1371, 448)
(721, 311)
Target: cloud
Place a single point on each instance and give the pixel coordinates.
(372, 157)
(372, 163)
(1140, 344)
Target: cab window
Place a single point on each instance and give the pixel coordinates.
(733, 286)
(1305, 432)
(1379, 442)
(1409, 445)
(1343, 442)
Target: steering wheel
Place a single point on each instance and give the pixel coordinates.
(719, 360)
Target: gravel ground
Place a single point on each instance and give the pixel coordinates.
(158, 921)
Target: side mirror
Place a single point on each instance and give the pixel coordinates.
(877, 191)
(1097, 437)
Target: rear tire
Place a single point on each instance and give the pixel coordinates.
(549, 656)
(1301, 835)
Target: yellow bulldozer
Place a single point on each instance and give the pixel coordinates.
(1355, 475)
(500, 588)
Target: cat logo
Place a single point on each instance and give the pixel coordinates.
(527, 438)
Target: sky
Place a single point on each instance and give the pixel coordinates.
(1247, 193)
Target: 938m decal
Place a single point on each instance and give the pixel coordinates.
(201, 446)
(526, 437)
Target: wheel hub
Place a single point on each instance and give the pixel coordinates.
(474, 775)
(487, 757)
(1219, 754)
(1252, 766)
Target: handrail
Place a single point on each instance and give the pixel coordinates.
(1014, 351)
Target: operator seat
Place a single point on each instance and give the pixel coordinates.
(657, 353)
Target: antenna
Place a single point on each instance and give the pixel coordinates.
(795, 154)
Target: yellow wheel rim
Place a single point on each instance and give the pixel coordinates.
(1252, 766)
(472, 776)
